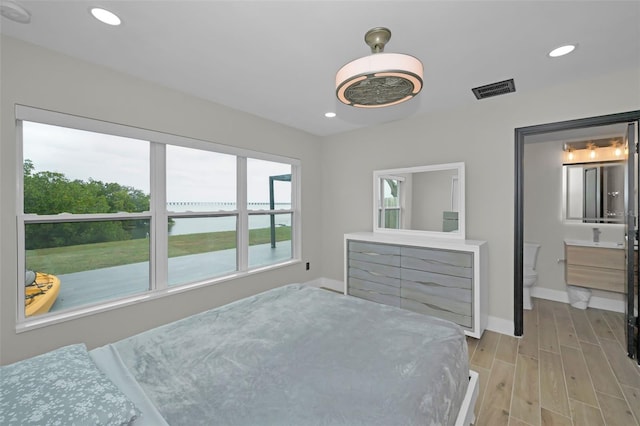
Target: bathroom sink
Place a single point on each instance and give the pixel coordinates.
(587, 243)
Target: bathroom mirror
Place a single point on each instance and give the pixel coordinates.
(594, 192)
(426, 200)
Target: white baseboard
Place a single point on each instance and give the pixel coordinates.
(336, 285)
(500, 325)
(615, 305)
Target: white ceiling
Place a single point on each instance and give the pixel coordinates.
(278, 59)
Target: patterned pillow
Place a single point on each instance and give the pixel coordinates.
(61, 387)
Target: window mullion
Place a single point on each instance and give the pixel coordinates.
(296, 206)
(242, 251)
(22, 261)
(159, 256)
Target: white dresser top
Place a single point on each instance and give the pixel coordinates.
(415, 240)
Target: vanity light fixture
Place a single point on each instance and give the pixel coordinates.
(591, 151)
(380, 79)
(105, 16)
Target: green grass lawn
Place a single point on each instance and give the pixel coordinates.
(85, 257)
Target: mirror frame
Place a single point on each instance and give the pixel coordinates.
(597, 221)
(459, 167)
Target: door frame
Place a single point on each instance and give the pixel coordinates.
(518, 233)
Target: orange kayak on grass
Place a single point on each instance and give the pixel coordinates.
(41, 294)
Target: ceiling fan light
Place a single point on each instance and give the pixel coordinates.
(380, 79)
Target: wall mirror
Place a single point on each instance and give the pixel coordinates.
(426, 200)
(594, 192)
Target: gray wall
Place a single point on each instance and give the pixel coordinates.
(41, 78)
(480, 134)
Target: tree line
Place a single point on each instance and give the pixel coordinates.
(49, 193)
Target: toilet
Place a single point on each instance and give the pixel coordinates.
(529, 274)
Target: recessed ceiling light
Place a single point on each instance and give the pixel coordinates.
(329, 114)
(105, 16)
(562, 50)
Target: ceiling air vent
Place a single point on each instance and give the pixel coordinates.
(494, 89)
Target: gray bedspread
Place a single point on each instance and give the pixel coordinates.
(301, 356)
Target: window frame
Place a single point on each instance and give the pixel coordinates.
(158, 213)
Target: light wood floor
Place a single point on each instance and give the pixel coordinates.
(569, 368)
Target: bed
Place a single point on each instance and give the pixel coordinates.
(294, 355)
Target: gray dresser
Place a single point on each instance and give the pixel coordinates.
(443, 278)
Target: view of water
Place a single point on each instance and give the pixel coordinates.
(184, 226)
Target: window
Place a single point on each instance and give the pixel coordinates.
(391, 197)
(202, 215)
(270, 214)
(111, 214)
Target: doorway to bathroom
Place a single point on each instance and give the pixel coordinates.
(590, 206)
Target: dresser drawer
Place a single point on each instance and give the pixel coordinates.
(459, 264)
(435, 310)
(382, 254)
(375, 291)
(374, 296)
(383, 274)
(436, 280)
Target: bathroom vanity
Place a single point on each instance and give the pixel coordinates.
(598, 265)
(446, 278)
